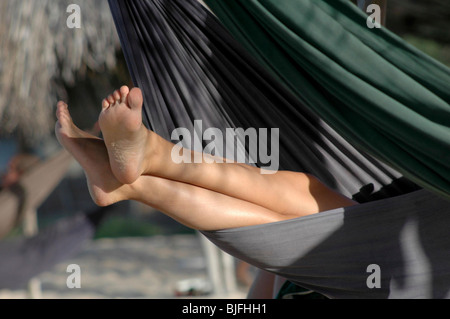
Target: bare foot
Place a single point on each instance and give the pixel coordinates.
(92, 155)
(125, 135)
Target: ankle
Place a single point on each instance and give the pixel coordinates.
(152, 152)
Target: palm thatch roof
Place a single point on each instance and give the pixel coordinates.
(40, 56)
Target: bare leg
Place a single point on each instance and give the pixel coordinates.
(293, 194)
(193, 206)
(200, 208)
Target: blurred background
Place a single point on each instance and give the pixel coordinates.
(43, 61)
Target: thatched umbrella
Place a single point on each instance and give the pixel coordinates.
(40, 56)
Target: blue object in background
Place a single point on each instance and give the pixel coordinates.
(8, 147)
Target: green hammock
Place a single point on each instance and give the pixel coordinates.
(382, 95)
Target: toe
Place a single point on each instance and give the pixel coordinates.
(117, 96)
(135, 98)
(61, 108)
(63, 114)
(61, 105)
(111, 99)
(105, 104)
(124, 91)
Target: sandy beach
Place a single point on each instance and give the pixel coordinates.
(148, 268)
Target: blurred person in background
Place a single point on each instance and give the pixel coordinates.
(17, 166)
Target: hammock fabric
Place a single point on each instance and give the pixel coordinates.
(331, 252)
(325, 53)
(189, 67)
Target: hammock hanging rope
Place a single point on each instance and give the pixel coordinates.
(189, 67)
